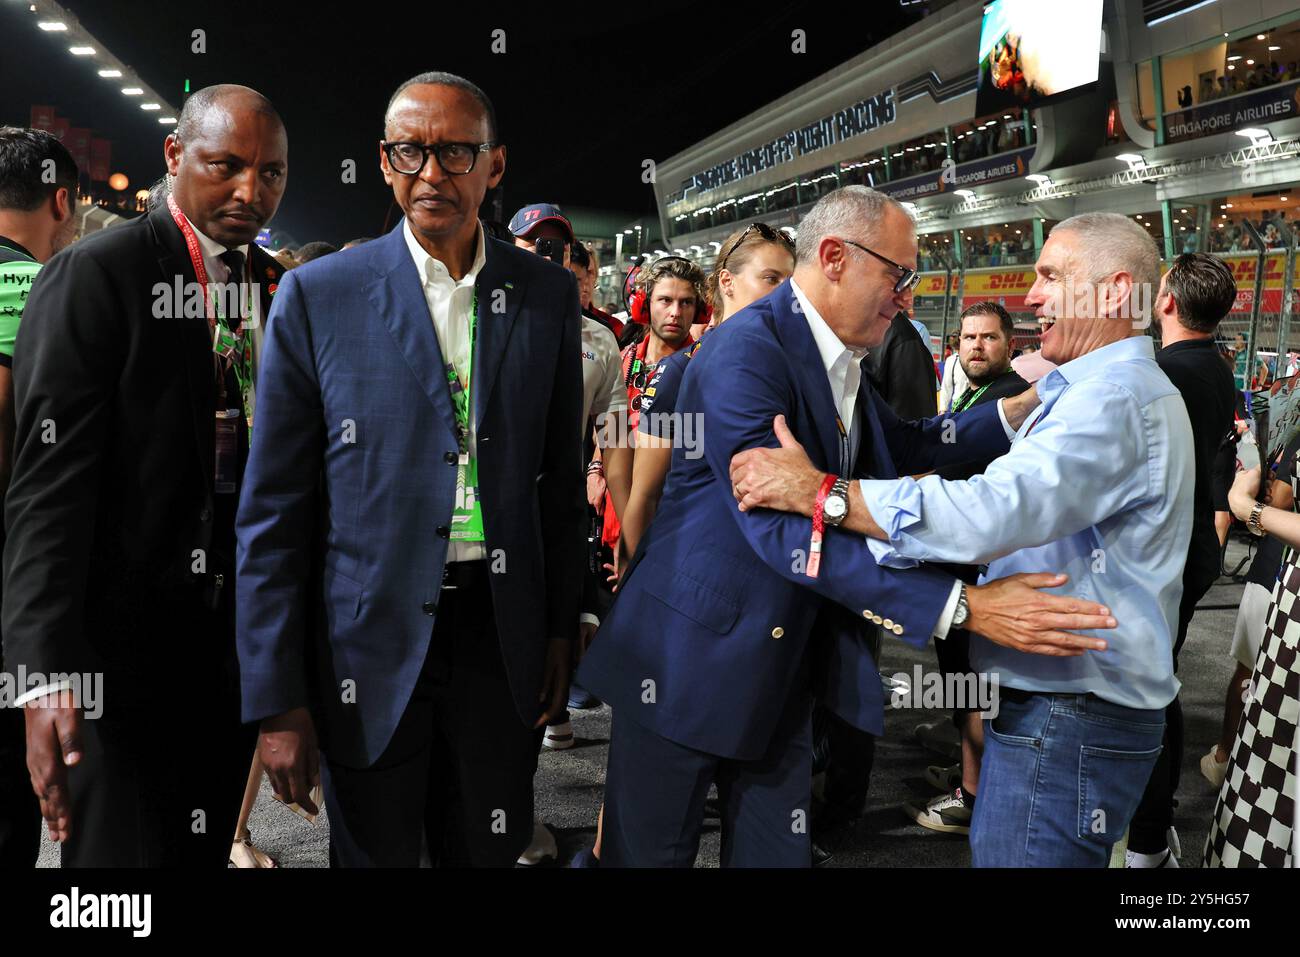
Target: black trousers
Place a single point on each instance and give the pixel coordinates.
(160, 787)
(20, 812)
(458, 773)
(1155, 814)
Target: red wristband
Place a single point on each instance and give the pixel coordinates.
(818, 527)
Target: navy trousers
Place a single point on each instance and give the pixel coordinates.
(655, 791)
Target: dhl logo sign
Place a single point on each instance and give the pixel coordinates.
(985, 283)
(1019, 281)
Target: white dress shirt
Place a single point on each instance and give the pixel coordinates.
(450, 301)
(844, 370)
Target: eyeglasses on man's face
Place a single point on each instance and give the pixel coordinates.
(455, 159)
(908, 278)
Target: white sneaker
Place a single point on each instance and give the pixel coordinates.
(542, 848)
(559, 737)
(1166, 858)
(1212, 769)
(1163, 858)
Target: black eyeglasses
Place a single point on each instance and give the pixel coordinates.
(456, 159)
(908, 279)
(765, 231)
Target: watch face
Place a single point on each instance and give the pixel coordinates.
(834, 506)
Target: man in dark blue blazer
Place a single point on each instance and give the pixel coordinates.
(412, 533)
(705, 654)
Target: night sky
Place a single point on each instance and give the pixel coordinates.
(584, 93)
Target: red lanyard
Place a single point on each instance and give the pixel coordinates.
(229, 344)
(196, 255)
(819, 528)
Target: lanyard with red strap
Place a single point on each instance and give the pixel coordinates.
(234, 346)
(819, 528)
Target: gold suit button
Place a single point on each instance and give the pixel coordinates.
(898, 629)
(888, 623)
(877, 619)
(778, 631)
(866, 613)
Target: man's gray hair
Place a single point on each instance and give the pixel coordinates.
(1110, 243)
(850, 212)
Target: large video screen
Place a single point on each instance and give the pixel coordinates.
(1031, 50)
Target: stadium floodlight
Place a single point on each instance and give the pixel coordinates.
(53, 26)
(151, 106)
(82, 51)
(110, 74)
(132, 91)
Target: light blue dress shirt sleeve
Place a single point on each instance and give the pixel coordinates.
(1085, 459)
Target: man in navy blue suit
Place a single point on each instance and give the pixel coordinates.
(412, 532)
(705, 655)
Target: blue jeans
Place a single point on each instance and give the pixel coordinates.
(1061, 777)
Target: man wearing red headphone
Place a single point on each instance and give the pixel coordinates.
(670, 299)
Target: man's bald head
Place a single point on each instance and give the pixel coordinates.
(213, 105)
(228, 158)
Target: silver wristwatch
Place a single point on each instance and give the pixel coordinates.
(836, 506)
(962, 611)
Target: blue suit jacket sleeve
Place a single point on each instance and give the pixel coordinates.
(275, 528)
(741, 394)
(926, 444)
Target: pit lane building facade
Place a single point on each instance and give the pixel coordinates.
(1192, 129)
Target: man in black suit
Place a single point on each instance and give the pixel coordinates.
(133, 379)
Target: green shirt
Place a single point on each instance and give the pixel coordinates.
(17, 273)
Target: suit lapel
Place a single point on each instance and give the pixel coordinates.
(792, 330)
(266, 273)
(398, 296)
(500, 296)
(193, 345)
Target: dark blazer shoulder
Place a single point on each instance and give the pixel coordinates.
(505, 262)
(115, 246)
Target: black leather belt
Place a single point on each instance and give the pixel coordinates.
(456, 575)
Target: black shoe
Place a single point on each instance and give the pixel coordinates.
(820, 856)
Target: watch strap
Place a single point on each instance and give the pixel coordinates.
(839, 488)
(1253, 522)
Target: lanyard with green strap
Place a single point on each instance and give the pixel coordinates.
(467, 513)
(970, 399)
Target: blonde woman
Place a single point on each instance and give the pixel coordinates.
(751, 263)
